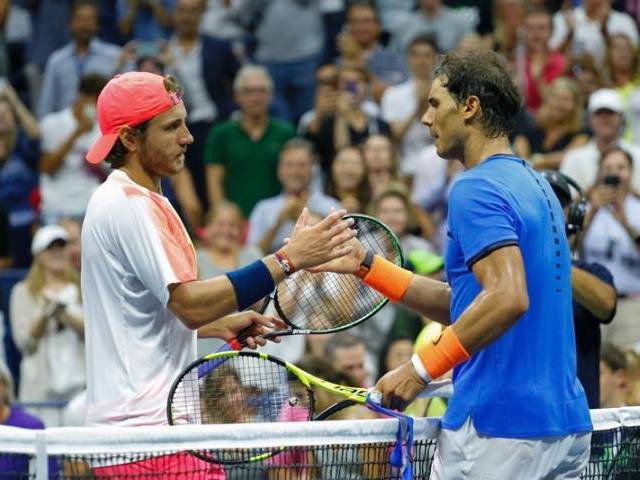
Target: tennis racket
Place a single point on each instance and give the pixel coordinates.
(247, 387)
(329, 302)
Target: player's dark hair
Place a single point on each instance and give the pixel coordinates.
(482, 74)
(117, 155)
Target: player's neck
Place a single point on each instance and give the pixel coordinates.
(140, 176)
(478, 148)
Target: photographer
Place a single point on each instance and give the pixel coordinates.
(594, 295)
(353, 121)
(613, 239)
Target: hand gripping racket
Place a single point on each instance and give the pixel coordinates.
(329, 302)
(247, 387)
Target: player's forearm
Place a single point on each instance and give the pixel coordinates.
(593, 294)
(200, 302)
(489, 316)
(430, 298)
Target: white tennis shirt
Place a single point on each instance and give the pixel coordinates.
(133, 246)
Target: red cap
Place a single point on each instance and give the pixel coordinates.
(128, 99)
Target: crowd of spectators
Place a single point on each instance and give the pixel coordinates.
(314, 103)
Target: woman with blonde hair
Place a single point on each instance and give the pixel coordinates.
(47, 323)
(558, 128)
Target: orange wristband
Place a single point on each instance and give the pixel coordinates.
(387, 278)
(441, 354)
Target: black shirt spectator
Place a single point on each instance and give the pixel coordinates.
(588, 338)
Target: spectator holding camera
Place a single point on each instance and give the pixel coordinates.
(613, 239)
(47, 322)
(325, 100)
(352, 123)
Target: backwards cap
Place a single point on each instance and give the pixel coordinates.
(128, 99)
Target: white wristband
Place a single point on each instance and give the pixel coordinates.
(419, 367)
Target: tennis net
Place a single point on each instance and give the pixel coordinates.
(356, 449)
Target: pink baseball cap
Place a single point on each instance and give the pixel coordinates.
(128, 99)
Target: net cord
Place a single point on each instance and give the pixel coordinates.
(87, 440)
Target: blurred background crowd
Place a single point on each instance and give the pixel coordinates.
(317, 103)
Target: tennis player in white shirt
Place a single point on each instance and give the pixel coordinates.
(143, 302)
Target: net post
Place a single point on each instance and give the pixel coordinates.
(42, 462)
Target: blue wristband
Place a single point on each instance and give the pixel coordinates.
(251, 283)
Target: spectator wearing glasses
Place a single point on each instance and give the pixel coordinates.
(242, 154)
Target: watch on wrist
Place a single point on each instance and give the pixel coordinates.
(365, 266)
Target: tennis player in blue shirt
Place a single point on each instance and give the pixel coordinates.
(518, 411)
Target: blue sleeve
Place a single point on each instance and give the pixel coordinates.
(480, 218)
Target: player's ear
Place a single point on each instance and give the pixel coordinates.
(471, 107)
(128, 137)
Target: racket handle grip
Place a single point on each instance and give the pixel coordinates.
(240, 341)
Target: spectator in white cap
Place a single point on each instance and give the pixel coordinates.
(606, 118)
(47, 323)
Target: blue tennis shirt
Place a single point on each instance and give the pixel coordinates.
(524, 384)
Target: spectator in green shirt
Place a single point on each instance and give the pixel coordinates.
(242, 154)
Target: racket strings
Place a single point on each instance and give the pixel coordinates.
(327, 301)
(240, 389)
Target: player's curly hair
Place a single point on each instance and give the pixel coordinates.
(484, 75)
(117, 155)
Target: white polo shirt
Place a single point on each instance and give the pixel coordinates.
(67, 191)
(133, 247)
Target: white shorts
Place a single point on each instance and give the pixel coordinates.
(465, 454)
